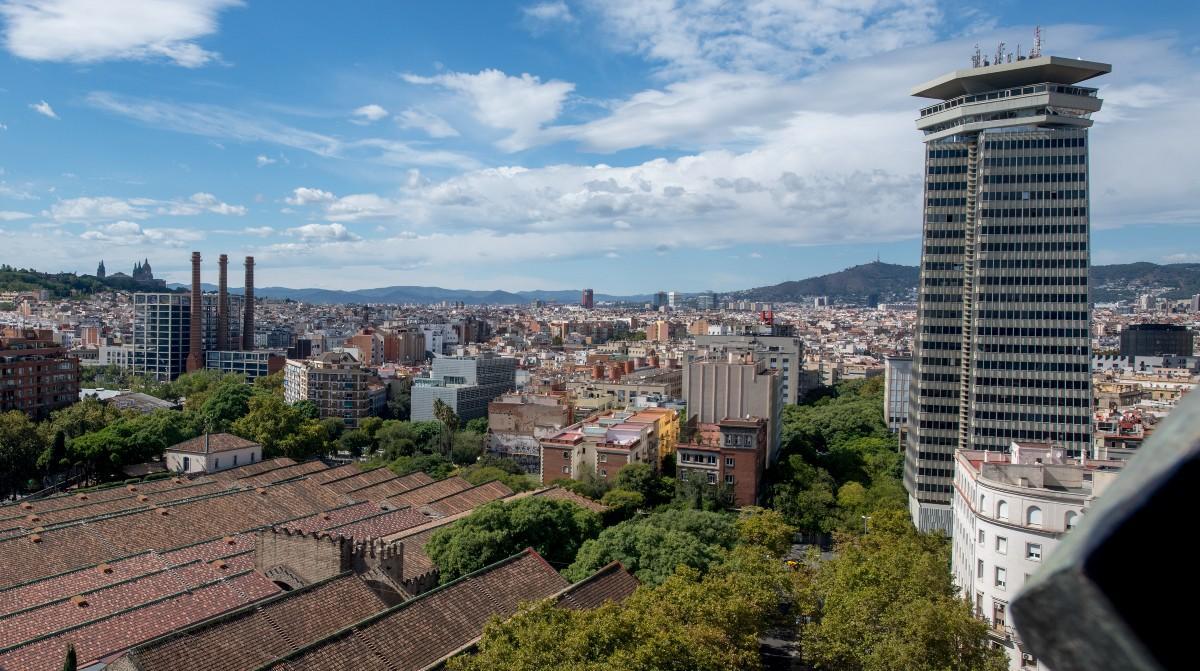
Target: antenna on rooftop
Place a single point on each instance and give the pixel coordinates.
(977, 59)
(1036, 51)
(999, 54)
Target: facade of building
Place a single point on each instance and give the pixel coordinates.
(37, 375)
(211, 453)
(161, 326)
(1002, 344)
(1156, 340)
(782, 353)
(334, 381)
(897, 378)
(252, 364)
(1010, 512)
(466, 383)
(601, 445)
(588, 301)
(517, 422)
(731, 453)
(736, 387)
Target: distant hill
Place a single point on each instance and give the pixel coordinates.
(63, 285)
(421, 295)
(887, 281)
(1125, 281)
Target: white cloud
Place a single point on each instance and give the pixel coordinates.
(90, 209)
(521, 105)
(43, 108)
(10, 215)
(83, 31)
(323, 233)
(556, 11)
(215, 121)
(259, 231)
(306, 196)
(263, 160)
(433, 125)
(132, 233)
(368, 114)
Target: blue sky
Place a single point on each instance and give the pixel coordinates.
(627, 145)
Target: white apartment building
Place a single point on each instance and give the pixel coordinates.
(1009, 513)
(334, 381)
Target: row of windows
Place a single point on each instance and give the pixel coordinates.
(1028, 383)
(1061, 402)
(944, 249)
(939, 409)
(927, 487)
(936, 329)
(938, 424)
(1048, 143)
(939, 234)
(1044, 366)
(1014, 161)
(943, 298)
(940, 361)
(1055, 315)
(1065, 194)
(1032, 298)
(936, 456)
(948, 153)
(939, 393)
(1033, 280)
(1033, 229)
(926, 439)
(946, 186)
(941, 314)
(943, 281)
(1033, 263)
(1010, 348)
(936, 472)
(1033, 434)
(947, 169)
(939, 377)
(940, 345)
(1030, 212)
(1032, 417)
(1036, 178)
(946, 202)
(945, 218)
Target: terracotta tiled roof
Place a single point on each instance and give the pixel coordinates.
(430, 492)
(285, 473)
(260, 633)
(467, 499)
(382, 490)
(380, 525)
(132, 502)
(212, 443)
(252, 469)
(557, 493)
(75, 499)
(611, 583)
(335, 473)
(333, 518)
(359, 480)
(423, 631)
(119, 632)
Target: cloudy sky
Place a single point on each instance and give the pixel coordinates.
(627, 145)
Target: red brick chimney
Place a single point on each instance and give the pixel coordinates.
(248, 321)
(223, 304)
(195, 359)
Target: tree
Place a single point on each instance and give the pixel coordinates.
(479, 473)
(399, 406)
(398, 439)
(555, 529)
(269, 422)
(694, 491)
(356, 442)
(478, 425)
(466, 447)
(651, 547)
(642, 479)
(70, 663)
(224, 405)
(20, 445)
(587, 484)
(309, 440)
(307, 409)
(622, 504)
(271, 384)
(886, 602)
(445, 414)
(89, 414)
(765, 528)
(55, 456)
(709, 622)
(434, 465)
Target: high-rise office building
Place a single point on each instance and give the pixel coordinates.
(1002, 348)
(588, 301)
(1156, 340)
(465, 383)
(162, 328)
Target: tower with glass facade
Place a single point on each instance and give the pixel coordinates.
(1002, 348)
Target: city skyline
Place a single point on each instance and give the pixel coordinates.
(539, 145)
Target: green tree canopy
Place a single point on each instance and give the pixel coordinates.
(445, 414)
(225, 404)
(651, 547)
(765, 528)
(269, 422)
(555, 529)
(20, 445)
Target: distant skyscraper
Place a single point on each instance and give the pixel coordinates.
(588, 299)
(673, 300)
(1002, 345)
(100, 272)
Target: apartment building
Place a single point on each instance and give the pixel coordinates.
(731, 453)
(37, 375)
(334, 381)
(736, 387)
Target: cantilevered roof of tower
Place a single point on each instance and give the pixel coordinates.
(1055, 69)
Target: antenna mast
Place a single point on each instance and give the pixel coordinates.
(1036, 51)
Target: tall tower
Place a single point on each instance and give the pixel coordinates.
(248, 315)
(1002, 347)
(195, 359)
(588, 301)
(100, 272)
(223, 303)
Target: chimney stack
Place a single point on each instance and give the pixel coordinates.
(248, 322)
(223, 304)
(195, 358)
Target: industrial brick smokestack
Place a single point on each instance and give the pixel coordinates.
(195, 359)
(223, 304)
(248, 322)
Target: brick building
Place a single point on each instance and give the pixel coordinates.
(731, 453)
(36, 374)
(516, 422)
(601, 445)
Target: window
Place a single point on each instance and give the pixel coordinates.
(1033, 552)
(566, 469)
(712, 478)
(603, 458)
(1001, 577)
(981, 536)
(187, 464)
(235, 460)
(999, 613)
(728, 462)
(216, 462)
(1072, 520)
(979, 569)
(603, 473)
(1033, 516)
(1001, 545)
(566, 454)
(1002, 510)
(729, 479)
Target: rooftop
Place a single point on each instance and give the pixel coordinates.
(211, 443)
(1004, 75)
